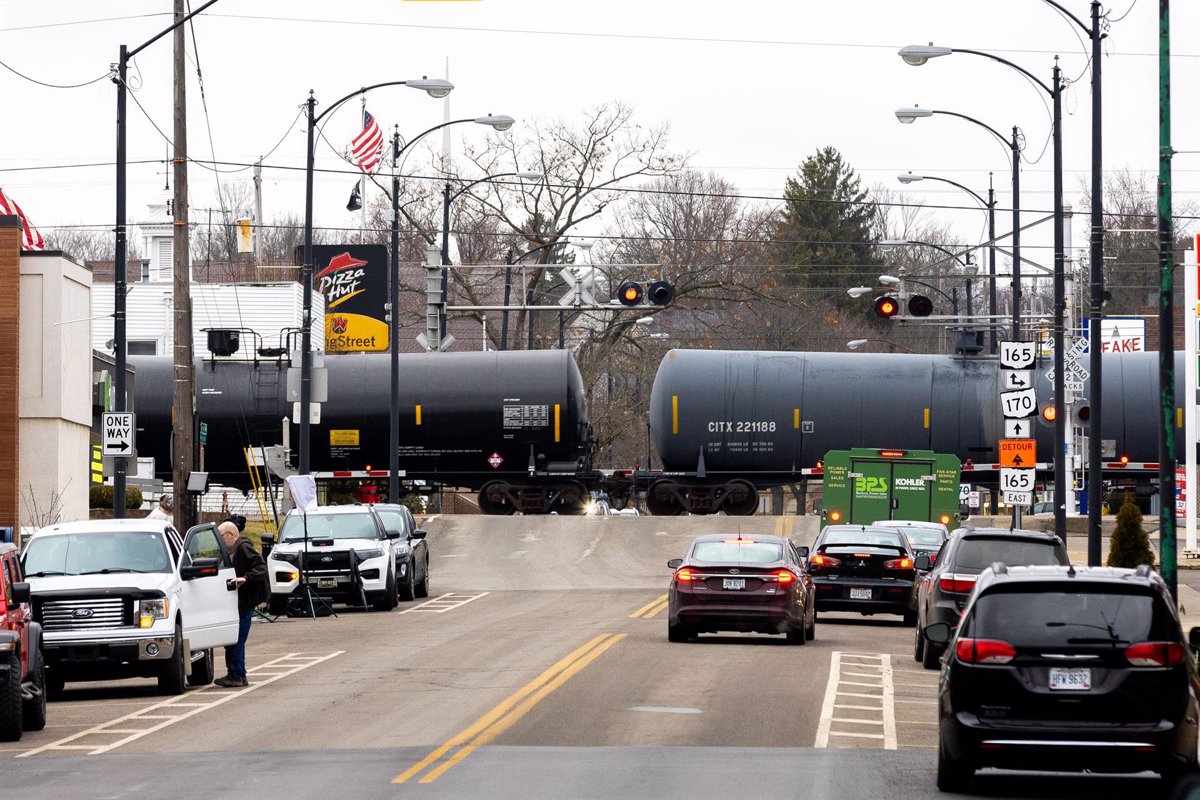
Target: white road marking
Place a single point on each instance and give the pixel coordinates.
(182, 702)
(855, 665)
(667, 709)
(591, 548)
(444, 603)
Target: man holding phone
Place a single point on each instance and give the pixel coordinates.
(252, 589)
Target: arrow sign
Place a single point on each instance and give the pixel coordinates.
(1017, 379)
(1018, 453)
(119, 432)
(1017, 428)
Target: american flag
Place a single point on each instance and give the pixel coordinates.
(30, 238)
(367, 147)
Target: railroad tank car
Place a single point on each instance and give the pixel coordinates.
(729, 423)
(511, 424)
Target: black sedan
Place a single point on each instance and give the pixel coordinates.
(866, 569)
(924, 538)
(736, 582)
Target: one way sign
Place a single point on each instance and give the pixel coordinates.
(119, 434)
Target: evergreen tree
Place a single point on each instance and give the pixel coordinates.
(825, 236)
(1130, 546)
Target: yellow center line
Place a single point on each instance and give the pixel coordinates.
(648, 606)
(490, 733)
(507, 704)
(656, 610)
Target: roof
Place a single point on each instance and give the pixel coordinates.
(1018, 532)
(721, 537)
(1117, 576)
(107, 525)
(347, 509)
(872, 528)
(7, 547)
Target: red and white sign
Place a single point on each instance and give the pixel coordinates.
(1123, 335)
(495, 460)
(1180, 492)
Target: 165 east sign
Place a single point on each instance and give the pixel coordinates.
(353, 279)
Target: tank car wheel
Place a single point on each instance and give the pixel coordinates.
(741, 499)
(572, 499)
(494, 499)
(662, 499)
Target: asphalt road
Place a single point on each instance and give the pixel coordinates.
(539, 668)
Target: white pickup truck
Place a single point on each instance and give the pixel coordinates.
(131, 598)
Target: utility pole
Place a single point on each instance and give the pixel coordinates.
(183, 406)
(258, 213)
(1166, 311)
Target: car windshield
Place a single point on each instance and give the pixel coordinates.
(741, 551)
(925, 536)
(979, 554)
(328, 526)
(872, 538)
(96, 552)
(1049, 618)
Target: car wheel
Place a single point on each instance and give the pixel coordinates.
(796, 635)
(277, 606)
(202, 670)
(423, 586)
(678, 633)
(10, 702)
(811, 631)
(386, 600)
(931, 658)
(34, 712)
(56, 683)
(171, 679)
(953, 775)
(919, 646)
(910, 617)
(408, 589)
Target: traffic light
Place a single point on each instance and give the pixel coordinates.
(630, 293)
(656, 293)
(886, 306)
(920, 306)
(1047, 414)
(1081, 412)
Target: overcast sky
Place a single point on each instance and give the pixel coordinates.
(749, 89)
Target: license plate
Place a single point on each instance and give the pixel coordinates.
(1070, 680)
(860, 594)
(733, 583)
(326, 583)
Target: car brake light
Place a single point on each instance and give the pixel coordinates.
(685, 575)
(785, 576)
(1155, 654)
(957, 584)
(984, 651)
(822, 560)
(899, 563)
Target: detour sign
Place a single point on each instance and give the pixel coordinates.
(1018, 453)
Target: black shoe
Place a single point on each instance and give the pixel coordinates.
(231, 682)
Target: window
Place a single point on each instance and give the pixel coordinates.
(329, 526)
(979, 554)
(740, 551)
(926, 536)
(142, 347)
(1095, 615)
(9, 580)
(203, 543)
(395, 521)
(867, 538)
(97, 552)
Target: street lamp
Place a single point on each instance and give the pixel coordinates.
(120, 256)
(907, 116)
(447, 199)
(434, 87)
(918, 55)
(500, 123)
(990, 205)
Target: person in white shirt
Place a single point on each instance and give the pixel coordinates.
(163, 510)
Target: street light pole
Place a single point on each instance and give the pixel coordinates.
(120, 256)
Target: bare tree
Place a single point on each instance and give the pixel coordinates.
(89, 244)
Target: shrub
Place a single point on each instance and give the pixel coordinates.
(1130, 546)
(101, 496)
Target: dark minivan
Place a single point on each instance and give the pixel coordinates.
(1066, 669)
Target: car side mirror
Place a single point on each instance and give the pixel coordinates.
(200, 568)
(803, 551)
(267, 538)
(417, 534)
(20, 592)
(923, 563)
(1193, 635)
(391, 534)
(675, 563)
(937, 633)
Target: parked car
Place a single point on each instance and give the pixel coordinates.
(347, 553)
(1066, 669)
(942, 593)
(22, 670)
(733, 582)
(924, 538)
(131, 598)
(864, 568)
(411, 550)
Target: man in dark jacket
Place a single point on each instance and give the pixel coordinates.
(252, 589)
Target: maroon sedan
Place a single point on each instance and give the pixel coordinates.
(735, 582)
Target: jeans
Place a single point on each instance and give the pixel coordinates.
(235, 655)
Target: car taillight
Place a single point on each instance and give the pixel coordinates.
(957, 584)
(1155, 654)
(822, 560)
(785, 576)
(685, 575)
(899, 563)
(984, 651)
